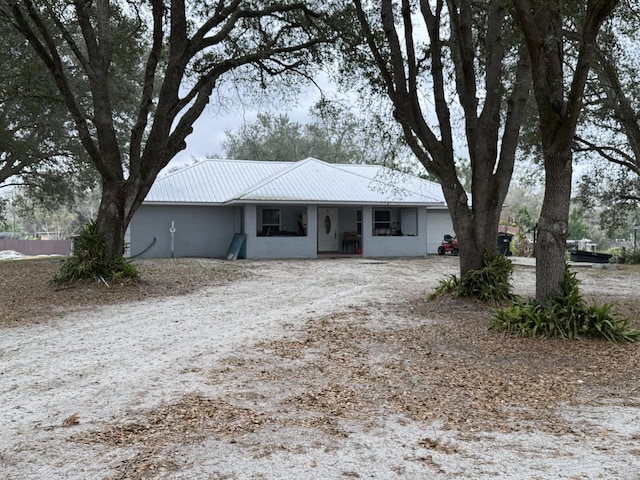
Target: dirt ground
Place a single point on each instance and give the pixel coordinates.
(320, 369)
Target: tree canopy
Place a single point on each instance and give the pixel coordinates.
(171, 57)
(37, 144)
(608, 139)
(333, 134)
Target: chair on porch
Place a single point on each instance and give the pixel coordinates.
(350, 242)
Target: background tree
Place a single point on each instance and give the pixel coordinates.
(613, 194)
(3, 214)
(278, 138)
(521, 209)
(442, 67)
(608, 139)
(559, 104)
(171, 56)
(578, 228)
(37, 144)
(334, 134)
(35, 214)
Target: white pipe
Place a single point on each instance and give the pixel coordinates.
(173, 232)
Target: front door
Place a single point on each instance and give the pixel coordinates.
(328, 240)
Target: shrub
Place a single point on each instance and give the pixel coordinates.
(621, 255)
(89, 261)
(565, 316)
(632, 257)
(491, 284)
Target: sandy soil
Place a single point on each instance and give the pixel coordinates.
(324, 369)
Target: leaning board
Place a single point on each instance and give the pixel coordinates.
(236, 248)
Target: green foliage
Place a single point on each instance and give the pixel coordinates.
(491, 284)
(446, 286)
(526, 221)
(37, 212)
(609, 139)
(631, 257)
(578, 227)
(335, 135)
(3, 214)
(613, 194)
(89, 261)
(565, 316)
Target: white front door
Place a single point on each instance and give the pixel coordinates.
(328, 240)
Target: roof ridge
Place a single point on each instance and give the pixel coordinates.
(376, 182)
(392, 171)
(199, 162)
(274, 176)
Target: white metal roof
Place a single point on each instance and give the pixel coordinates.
(306, 181)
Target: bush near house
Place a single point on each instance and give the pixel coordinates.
(90, 262)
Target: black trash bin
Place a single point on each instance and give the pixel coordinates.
(504, 240)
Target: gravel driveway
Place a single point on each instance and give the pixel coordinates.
(323, 369)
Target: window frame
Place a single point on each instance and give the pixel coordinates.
(270, 224)
(378, 224)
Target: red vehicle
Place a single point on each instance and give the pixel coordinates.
(449, 245)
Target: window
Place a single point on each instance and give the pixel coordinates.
(382, 219)
(284, 221)
(270, 220)
(382, 222)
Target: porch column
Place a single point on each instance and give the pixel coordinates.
(250, 228)
(367, 228)
(312, 226)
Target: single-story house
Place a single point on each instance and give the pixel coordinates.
(288, 210)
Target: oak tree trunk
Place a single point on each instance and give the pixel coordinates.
(542, 23)
(110, 222)
(476, 227)
(553, 225)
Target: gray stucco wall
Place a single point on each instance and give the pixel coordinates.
(206, 231)
(200, 231)
(395, 246)
(280, 246)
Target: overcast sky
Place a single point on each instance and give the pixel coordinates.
(209, 130)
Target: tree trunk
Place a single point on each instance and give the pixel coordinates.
(110, 223)
(559, 110)
(475, 228)
(473, 244)
(553, 225)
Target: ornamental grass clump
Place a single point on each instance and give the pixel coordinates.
(491, 284)
(90, 262)
(567, 316)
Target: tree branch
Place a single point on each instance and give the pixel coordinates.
(48, 53)
(626, 161)
(148, 83)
